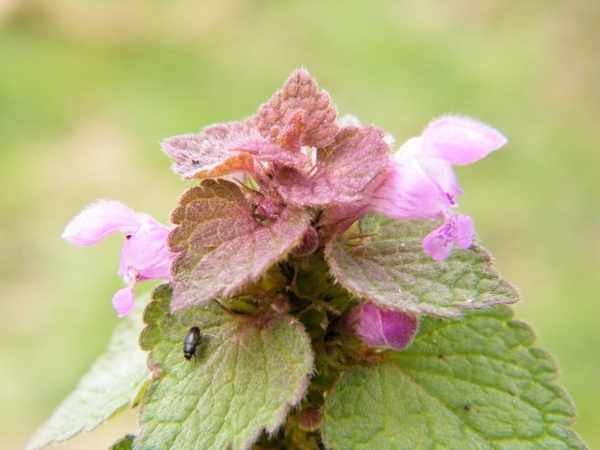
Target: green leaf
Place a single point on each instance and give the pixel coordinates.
(247, 372)
(125, 443)
(387, 265)
(110, 385)
(469, 383)
(222, 245)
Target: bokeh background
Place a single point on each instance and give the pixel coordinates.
(88, 88)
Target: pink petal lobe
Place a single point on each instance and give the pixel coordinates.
(460, 140)
(458, 228)
(465, 231)
(100, 220)
(407, 192)
(398, 328)
(379, 327)
(145, 253)
(123, 301)
(439, 242)
(368, 325)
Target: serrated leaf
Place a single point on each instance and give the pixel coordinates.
(298, 114)
(221, 245)
(387, 265)
(474, 383)
(344, 168)
(212, 152)
(225, 149)
(246, 374)
(109, 386)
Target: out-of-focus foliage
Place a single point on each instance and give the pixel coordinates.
(88, 88)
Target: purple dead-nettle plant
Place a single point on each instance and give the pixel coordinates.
(329, 293)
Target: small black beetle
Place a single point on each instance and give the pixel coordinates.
(190, 342)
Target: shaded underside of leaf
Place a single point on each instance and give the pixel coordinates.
(469, 383)
(388, 266)
(246, 374)
(109, 386)
(221, 245)
(212, 152)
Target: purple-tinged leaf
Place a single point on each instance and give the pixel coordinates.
(298, 114)
(224, 149)
(387, 265)
(210, 154)
(221, 245)
(344, 169)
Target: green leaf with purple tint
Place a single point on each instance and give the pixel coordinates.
(222, 245)
(383, 261)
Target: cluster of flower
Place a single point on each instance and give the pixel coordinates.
(298, 155)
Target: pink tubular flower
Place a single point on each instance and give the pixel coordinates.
(144, 255)
(382, 328)
(420, 181)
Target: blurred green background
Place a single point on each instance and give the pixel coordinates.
(88, 89)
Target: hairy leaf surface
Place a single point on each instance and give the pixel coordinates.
(469, 383)
(386, 264)
(246, 374)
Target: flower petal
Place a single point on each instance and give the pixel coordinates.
(382, 328)
(99, 220)
(459, 140)
(407, 192)
(439, 242)
(442, 174)
(398, 328)
(365, 321)
(123, 301)
(465, 231)
(145, 253)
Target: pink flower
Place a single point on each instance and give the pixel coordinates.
(382, 328)
(420, 182)
(144, 255)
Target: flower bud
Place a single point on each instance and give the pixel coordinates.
(308, 244)
(382, 328)
(310, 419)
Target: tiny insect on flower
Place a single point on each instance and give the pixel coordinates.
(190, 342)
